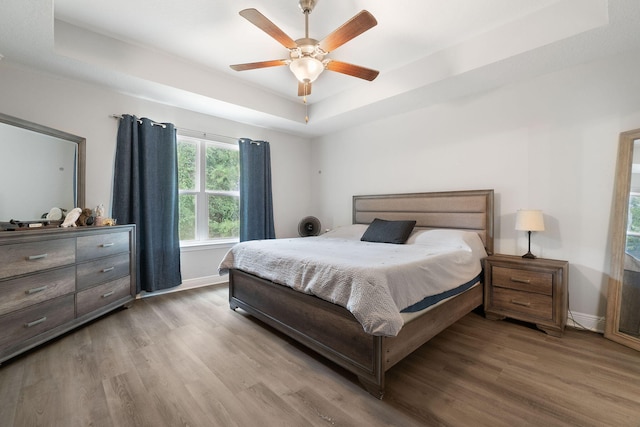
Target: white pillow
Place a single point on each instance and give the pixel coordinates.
(351, 232)
(445, 237)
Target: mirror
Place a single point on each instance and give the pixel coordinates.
(623, 295)
(41, 168)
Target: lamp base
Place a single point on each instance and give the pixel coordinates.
(529, 255)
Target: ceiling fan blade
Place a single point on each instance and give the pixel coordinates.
(349, 30)
(302, 91)
(262, 22)
(352, 70)
(262, 64)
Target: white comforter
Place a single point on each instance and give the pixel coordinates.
(374, 281)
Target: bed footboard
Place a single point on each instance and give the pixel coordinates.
(326, 328)
(333, 331)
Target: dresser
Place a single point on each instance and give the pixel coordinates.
(531, 290)
(54, 280)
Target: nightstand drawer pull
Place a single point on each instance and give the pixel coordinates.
(525, 304)
(35, 257)
(108, 269)
(108, 294)
(106, 245)
(36, 290)
(35, 322)
(519, 280)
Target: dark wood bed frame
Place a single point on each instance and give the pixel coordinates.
(333, 331)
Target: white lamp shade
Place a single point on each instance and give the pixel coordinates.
(529, 220)
(306, 68)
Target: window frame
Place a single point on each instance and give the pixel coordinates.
(201, 193)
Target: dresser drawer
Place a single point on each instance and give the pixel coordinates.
(23, 258)
(36, 288)
(533, 305)
(101, 270)
(23, 324)
(100, 245)
(102, 295)
(523, 280)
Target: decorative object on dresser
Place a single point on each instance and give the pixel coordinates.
(529, 220)
(54, 280)
(532, 290)
(71, 218)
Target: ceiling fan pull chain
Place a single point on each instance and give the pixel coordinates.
(306, 106)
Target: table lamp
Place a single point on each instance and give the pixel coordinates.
(529, 220)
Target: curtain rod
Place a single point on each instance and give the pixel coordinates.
(199, 132)
(115, 116)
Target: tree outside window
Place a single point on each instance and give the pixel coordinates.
(209, 190)
(633, 227)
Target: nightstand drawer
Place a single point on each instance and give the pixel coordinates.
(523, 280)
(531, 304)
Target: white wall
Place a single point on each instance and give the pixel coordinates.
(85, 110)
(549, 143)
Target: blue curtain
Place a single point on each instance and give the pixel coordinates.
(256, 204)
(145, 193)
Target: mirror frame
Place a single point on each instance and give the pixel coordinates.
(80, 141)
(620, 210)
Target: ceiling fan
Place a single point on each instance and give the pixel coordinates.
(307, 56)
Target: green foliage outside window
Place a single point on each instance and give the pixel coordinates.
(223, 174)
(224, 217)
(633, 242)
(223, 169)
(220, 193)
(187, 165)
(187, 217)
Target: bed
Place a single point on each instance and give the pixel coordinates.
(333, 331)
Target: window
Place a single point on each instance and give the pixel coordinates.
(209, 190)
(633, 226)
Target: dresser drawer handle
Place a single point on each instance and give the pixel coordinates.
(108, 269)
(36, 290)
(519, 280)
(106, 245)
(108, 294)
(526, 304)
(35, 257)
(35, 322)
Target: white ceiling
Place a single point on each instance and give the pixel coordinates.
(427, 51)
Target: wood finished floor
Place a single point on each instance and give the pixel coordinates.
(185, 359)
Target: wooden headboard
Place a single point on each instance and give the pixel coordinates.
(461, 210)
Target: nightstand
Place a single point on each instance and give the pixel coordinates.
(532, 290)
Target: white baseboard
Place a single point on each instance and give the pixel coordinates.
(575, 320)
(586, 321)
(198, 282)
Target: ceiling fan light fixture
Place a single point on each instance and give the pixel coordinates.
(306, 69)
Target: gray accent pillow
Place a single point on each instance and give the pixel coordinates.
(383, 231)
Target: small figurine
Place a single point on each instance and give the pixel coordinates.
(85, 217)
(99, 221)
(71, 218)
